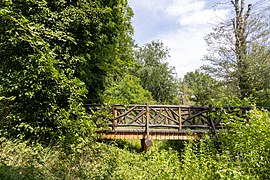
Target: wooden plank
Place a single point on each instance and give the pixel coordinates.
(157, 135)
(130, 125)
(180, 118)
(115, 119)
(147, 121)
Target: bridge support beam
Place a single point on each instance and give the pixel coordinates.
(146, 144)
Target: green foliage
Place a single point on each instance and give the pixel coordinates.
(152, 54)
(202, 88)
(45, 97)
(102, 31)
(258, 72)
(243, 154)
(247, 145)
(54, 56)
(155, 74)
(21, 160)
(127, 91)
(231, 101)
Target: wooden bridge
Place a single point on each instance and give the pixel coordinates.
(164, 122)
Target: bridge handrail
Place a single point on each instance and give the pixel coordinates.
(168, 116)
(99, 106)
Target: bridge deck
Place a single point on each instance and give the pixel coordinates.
(153, 134)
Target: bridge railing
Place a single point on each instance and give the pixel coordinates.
(169, 117)
(160, 116)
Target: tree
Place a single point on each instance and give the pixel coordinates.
(127, 91)
(54, 54)
(201, 88)
(104, 44)
(240, 32)
(230, 45)
(155, 74)
(258, 74)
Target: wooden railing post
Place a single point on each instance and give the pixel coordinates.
(146, 142)
(212, 123)
(114, 123)
(192, 121)
(142, 119)
(180, 118)
(147, 121)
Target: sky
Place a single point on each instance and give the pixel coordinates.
(180, 24)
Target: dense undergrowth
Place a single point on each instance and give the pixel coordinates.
(243, 153)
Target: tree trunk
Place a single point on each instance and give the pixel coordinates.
(240, 26)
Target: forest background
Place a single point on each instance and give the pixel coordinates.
(57, 56)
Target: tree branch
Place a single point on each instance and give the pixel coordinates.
(242, 7)
(248, 12)
(233, 3)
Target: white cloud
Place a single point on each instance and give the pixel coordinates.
(187, 49)
(178, 8)
(149, 6)
(187, 43)
(191, 22)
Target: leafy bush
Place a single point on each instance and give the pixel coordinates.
(243, 153)
(127, 91)
(247, 145)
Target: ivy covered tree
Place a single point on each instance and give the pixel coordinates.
(54, 55)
